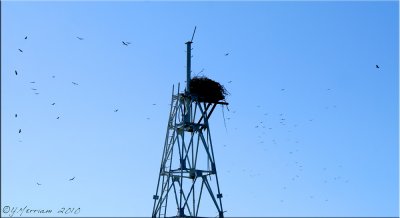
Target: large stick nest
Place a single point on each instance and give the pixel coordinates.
(207, 90)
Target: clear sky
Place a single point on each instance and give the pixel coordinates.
(327, 144)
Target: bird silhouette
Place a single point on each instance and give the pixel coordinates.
(282, 89)
(126, 43)
(16, 73)
(16, 115)
(26, 37)
(116, 110)
(53, 76)
(75, 83)
(80, 38)
(32, 82)
(377, 66)
(38, 183)
(19, 131)
(34, 89)
(20, 50)
(53, 103)
(230, 81)
(36, 93)
(72, 178)
(58, 118)
(226, 54)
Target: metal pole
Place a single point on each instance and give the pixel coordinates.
(188, 65)
(188, 78)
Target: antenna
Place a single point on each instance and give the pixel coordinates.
(193, 33)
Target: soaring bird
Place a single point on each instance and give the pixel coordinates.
(226, 54)
(16, 115)
(75, 83)
(282, 89)
(19, 131)
(16, 73)
(26, 37)
(80, 38)
(38, 183)
(20, 50)
(116, 110)
(34, 89)
(230, 81)
(58, 118)
(36, 93)
(377, 66)
(126, 43)
(33, 82)
(53, 103)
(72, 178)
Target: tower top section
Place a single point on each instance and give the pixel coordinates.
(203, 88)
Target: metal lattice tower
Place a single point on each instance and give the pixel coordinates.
(188, 173)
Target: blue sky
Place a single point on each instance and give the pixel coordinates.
(309, 63)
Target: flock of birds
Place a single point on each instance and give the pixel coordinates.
(125, 43)
(260, 125)
(265, 126)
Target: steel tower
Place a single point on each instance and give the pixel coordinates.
(188, 173)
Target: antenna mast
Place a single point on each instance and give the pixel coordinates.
(188, 61)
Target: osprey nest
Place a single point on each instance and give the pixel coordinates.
(207, 90)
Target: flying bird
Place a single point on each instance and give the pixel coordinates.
(36, 93)
(226, 54)
(53, 76)
(53, 103)
(26, 37)
(377, 66)
(126, 43)
(16, 73)
(80, 38)
(116, 110)
(34, 89)
(33, 82)
(58, 118)
(282, 89)
(16, 115)
(230, 81)
(72, 178)
(38, 183)
(75, 83)
(20, 50)
(19, 131)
